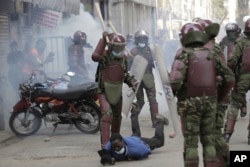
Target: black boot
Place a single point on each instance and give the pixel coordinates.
(229, 128)
(135, 121)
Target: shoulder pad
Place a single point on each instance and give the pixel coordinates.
(178, 53)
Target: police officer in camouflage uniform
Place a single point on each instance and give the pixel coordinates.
(142, 48)
(112, 71)
(222, 150)
(240, 65)
(198, 94)
(233, 32)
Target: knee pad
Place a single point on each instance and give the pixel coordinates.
(107, 117)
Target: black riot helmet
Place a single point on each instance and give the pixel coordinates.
(141, 38)
(232, 30)
(80, 37)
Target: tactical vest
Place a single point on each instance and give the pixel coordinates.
(201, 75)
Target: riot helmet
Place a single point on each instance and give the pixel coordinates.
(80, 37)
(247, 27)
(129, 37)
(212, 29)
(232, 30)
(117, 44)
(192, 34)
(141, 38)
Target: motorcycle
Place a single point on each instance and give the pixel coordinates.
(44, 101)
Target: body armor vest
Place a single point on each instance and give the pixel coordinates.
(201, 75)
(113, 72)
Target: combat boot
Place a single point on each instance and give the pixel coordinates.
(229, 128)
(135, 121)
(243, 111)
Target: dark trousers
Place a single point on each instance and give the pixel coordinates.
(154, 142)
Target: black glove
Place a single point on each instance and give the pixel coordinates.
(134, 84)
(106, 157)
(131, 81)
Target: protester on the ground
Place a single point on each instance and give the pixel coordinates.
(133, 147)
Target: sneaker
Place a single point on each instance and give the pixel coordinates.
(163, 119)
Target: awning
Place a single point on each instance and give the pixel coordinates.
(67, 6)
(151, 3)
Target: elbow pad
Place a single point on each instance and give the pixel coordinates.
(176, 74)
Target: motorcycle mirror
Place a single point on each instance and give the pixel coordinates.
(70, 73)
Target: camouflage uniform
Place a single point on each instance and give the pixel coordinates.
(239, 63)
(197, 98)
(222, 149)
(233, 33)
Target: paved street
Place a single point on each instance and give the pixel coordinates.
(72, 148)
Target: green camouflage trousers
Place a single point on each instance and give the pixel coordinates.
(220, 144)
(198, 121)
(239, 95)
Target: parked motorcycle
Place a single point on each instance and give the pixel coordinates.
(44, 101)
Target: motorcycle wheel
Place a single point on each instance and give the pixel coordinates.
(90, 118)
(20, 128)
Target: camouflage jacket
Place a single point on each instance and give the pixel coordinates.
(184, 56)
(235, 61)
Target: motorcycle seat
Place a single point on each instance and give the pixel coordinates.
(70, 93)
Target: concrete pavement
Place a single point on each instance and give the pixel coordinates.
(70, 147)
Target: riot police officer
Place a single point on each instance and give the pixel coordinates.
(142, 48)
(112, 71)
(198, 93)
(239, 63)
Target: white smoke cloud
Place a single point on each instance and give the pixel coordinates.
(84, 22)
